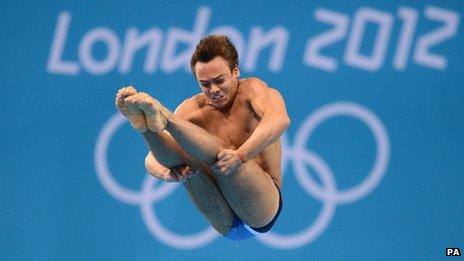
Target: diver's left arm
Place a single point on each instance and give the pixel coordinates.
(269, 104)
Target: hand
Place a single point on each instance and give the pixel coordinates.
(176, 174)
(182, 173)
(227, 162)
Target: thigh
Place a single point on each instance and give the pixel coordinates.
(251, 193)
(204, 192)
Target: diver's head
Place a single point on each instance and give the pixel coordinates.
(215, 66)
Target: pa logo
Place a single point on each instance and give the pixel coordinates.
(453, 251)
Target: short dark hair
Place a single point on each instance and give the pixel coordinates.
(213, 46)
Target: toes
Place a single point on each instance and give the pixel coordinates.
(133, 100)
(119, 93)
(128, 90)
(137, 98)
(130, 100)
(124, 92)
(131, 90)
(119, 99)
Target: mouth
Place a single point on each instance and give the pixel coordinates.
(218, 98)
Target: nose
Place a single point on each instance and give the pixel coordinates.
(214, 88)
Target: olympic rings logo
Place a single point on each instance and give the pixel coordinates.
(298, 155)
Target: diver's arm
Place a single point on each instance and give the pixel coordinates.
(269, 104)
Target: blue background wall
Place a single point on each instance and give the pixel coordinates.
(374, 158)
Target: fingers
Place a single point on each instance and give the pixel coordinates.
(170, 175)
(226, 166)
(164, 175)
(220, 155)
(187, 173)
(167, 176)
(219, 167)
(223, 162)
(225, 154)
(176, 173)
(182, 173)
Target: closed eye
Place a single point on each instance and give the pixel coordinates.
(219, 81)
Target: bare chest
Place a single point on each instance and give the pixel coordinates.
(233, 127)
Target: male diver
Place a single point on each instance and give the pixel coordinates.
(223, 144)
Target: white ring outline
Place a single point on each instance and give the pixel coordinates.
(382, 152)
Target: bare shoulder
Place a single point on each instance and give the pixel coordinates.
(262, 97)
(190, 109)
(253, 86)
(256, 89)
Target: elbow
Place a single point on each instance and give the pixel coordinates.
(281, 125)
(148, 164)
(285, 123)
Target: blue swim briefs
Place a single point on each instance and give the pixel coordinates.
(241, 231)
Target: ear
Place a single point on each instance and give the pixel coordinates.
(236, 71)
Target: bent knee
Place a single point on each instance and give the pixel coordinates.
(153, 167)
(222, 227)
(223, 230)
(149, 164)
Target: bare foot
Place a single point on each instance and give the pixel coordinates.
(155, 113)
(132, 112)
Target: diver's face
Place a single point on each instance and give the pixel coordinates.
(217, 82)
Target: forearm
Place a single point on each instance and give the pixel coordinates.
(267, 132)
